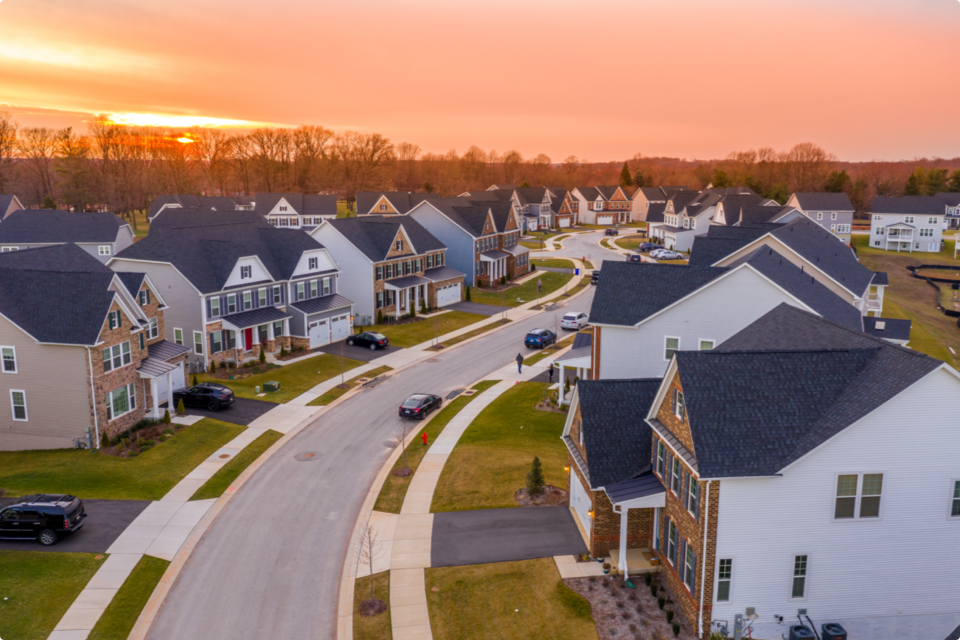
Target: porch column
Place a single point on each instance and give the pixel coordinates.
(416, 296)
(624, 517)
(562, 394)
(396, 305)
(173, 409)
(156, 400)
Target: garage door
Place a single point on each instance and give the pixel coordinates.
(319, 333)
(448, 294)
(564, 222)
(176, 378)
(605, 219)
(162, 390)
(340, 327)
(580, 501)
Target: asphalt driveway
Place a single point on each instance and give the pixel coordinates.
(243, 411)
(106, 520)
(503, 535)
(356, 352)
(476, 307)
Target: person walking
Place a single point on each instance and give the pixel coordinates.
(519, 363)
(551, 374)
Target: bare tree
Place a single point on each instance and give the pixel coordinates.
(369, 550)
(37, 147)
(402, 430)
(8, 149)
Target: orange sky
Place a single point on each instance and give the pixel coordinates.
(599, 79)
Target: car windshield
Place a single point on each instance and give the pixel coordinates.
(377, 336)
(413, 402)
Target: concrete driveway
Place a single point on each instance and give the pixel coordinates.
(243, 411)
(106, 520)
(356, 352)
(503, 535)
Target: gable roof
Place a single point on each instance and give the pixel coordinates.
(7, 202)
(921, 205)
(616, 441)
(733, 203)
(132, 281)
(655, 212)
(303, 204)
(785, 385)
(468, 215)
(374, 235)
(54, 226)
(402, 201)
(203, 217)
(759, 214)
(530, 195)
(823, 201)
(607, 191)
(206, 255)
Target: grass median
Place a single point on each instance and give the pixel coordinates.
(394, 489)
(425, 329)
(373, 627)
(216, 485)
(122, 612)
(337, 391)
(470, 334)
(553, 263)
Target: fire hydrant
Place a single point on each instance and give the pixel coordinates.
(424, 437)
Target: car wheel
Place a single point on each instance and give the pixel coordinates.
(48, 537)
(373, 347)
(213, 406)
(349, 343)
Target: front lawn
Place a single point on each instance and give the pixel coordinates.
(553, 263)
(294, 378)
(492, 458)
(336, 392)
(375, 627)
(394, 488)
(37, 588)
(413, 333)
(215, 486)
(526, 292)
(446, 344)
(122, 612)
(630, 243)
(507, 601)
(91, 475)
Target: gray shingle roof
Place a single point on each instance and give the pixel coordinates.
(918, 205)
(530, 195)
(53, 226)
(254, 317)
(824, 201)
(6, 201)
(323, 303)
(402, 201)
(759, 214)
(164, 350)
(303, 204)
(616, 440)
(203, 216)
(467, 214)
(132, 281)
(655, 212)
(893, 329)
(646, 484)
(438, 274)
(374, 234)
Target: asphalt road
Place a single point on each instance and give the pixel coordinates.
(270, 564)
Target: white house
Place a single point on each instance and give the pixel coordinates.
(832, 211)
(909, 223)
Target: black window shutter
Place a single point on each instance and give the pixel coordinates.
(667, 470)
(693, 575)
(685, 487)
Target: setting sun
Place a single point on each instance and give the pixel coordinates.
(163, 120)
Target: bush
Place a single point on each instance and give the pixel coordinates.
(646, 578)
(661, 601)
(503, 279)
(168, 432)
(676, 629)
(468, 293)
(166, 416)
(213, 366)
(380, 315)
(283, 352)
(533, 267)
(194, 380)
(423, 305)
(535, 479)
(263, 355)
(669, 613)
(653, 589)
(180, 408)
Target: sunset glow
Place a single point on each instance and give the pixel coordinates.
(177, 122)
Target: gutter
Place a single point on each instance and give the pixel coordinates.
(703, 558)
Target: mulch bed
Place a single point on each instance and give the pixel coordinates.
(551, 497)
(372, 607)
(404, 472)
(149, 434)
(622, 613)
(549, 408)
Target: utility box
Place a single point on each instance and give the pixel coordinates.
(256, 389)
(833, 631)
(801, 632)
(271, 386)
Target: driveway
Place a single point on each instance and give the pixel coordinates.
(503, 535)
(356, 352)
(476, 307)
(243, 411)
(106, 520)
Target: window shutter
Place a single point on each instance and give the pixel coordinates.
(681, 548)
(693, 576)
(668, 470)
(685, 488)
(696, 507)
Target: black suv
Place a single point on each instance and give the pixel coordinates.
(42, 517)
(612, 232)
(212, 396)
(595, 277)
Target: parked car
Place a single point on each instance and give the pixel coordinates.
(212, 396)
(575, 320)
(595, 277)
(46, 518)
(540, 338)
(369, 339)
(666, 254)
(419, 405)
(656, 252)
(634, 257)
(612, 232)
(648, 246)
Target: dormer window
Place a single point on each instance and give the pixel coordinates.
(399, 245)
(313, 264)
(282, 208)
(383, 207)
(104, 250)
(245, 272)
(144, 297)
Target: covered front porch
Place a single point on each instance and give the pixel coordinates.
(409, 291)
(494, 264)
(164, 370)
(256, 329)
(643, 492)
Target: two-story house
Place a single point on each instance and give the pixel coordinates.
(82, 351)
(236, 289)
(909, 223)
(686, 215)
(391, 265)
(102, 235)
(644, 197)
(728, 209)
(602, 205)
(295, 210)
(9, 204)
(483, 238)
(171, 201)
(389, 203)
(832, 211)
(751, 216)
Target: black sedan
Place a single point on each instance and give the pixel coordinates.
(419, 405)
(634, 257)
(206, 395)
(369, 339)
(612, 232)
(595, 277)
(648, 246)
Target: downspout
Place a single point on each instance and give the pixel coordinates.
(703, 570)
(93, 399)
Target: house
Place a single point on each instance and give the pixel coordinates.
(795, 427)
(644, 197)
(236, 289)
(602, 205)
(296, 210)
(537, 208)
(386, 203)
(686, 214)
(832, 211)
(952, 203)
(751, 216)
(818, 253)
(9, 204)
(482, 237)
(203, 217)
(909, 223)
(102, 235)
(728, 208)
(188, 201)
(391, 265)
(82, 351)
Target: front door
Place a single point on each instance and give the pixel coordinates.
(247, 339)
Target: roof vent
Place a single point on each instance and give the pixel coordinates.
(880, 325)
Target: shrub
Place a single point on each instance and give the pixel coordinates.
(653, 589)
(661, 601)
(283, 352)
(126, 442)
(423, 305)
(166, 416)
(646, 578)
(669, 613)
(468, 293)
(213, 366)
(194, 380)
(380, 315)
(263, 355)
(180, 408)
(535, 479)
(676, 629)
(503, 279)
(168, 432)
(533, 267)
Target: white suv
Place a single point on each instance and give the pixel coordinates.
(574, 321)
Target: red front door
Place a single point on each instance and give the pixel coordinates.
(248, 339)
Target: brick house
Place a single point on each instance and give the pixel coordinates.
(602, 205)
(390, 264)
(645, 197)
(389, 203)
(107, 368)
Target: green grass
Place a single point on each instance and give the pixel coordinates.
(553, 263)
(862, 244)
(672, 262)
(374, 627)
(631, 243)
(507, 601)
(584, 282)
(492, 458)
(588, 265)
(471, 334)
(143, 225)
(37, 588)
(920, 339)
(531, 245)
(526, 291)
(394, 489)
(122, 612)
(336, 392)
(88, 475)
(294, 378)
(545, 353)
(222, 479)
(413, 333)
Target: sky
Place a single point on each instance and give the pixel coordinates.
(598, 79)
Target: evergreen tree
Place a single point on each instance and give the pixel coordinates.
(524, 185)
(166, 416)
(428, 187)
(640, 180)
(837, 182)
(625, 179)
(953, 186)
(936, 182)
(180, 408)
(779, 192)
(263, 355)
(720, 179)
(194, 379)
(49, 203)
(915, 183)
(535, 481)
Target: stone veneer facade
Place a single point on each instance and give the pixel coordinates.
(105, 382)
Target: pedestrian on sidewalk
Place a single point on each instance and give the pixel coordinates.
(551, 374)
(519, 363)
(539, 285)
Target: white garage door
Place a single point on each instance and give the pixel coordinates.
(176, 378)
(319, 333)
(605, 219)
(564, 222)
(340, 327)
(448, 294)
(162, 390)
(580, 501)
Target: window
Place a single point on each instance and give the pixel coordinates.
(104, 250)
(379, 299)
(724, 575)
(799, 576)
(282, 208)
(675, 477)
(145, 297)
(116, 356)
(141, 342)
(853, 489)
(931, 220)
(408, 268)
(693, 501)
(262, 298)
(178, 336)
(198, 343)
(301, 291)
(870, 495)
(278, 328)
(430, 261)
(671, 543)
(661, 457)
(690, 568)
(389, 271)
(380, 273)
(214, 307)
(313, 289)
(231, 303)
(877, 218)
(679, 409)
(908, 219)
(926, 233)
(9, 359)
(121, 401)
(154, 330)
(399, 245)
(277, 295)
(672, 346)
(18, 403)
(326, 286)
(439, 260)
(113, 319)
(843, 228)
(819, 215)
(706, 345)
(383, 207)
(881, 231)
(833, 216)
(216, 342)
(9, 249)
(955, 503)
(245, 271)
(313, 263)
(247, 300)
(419, 266)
